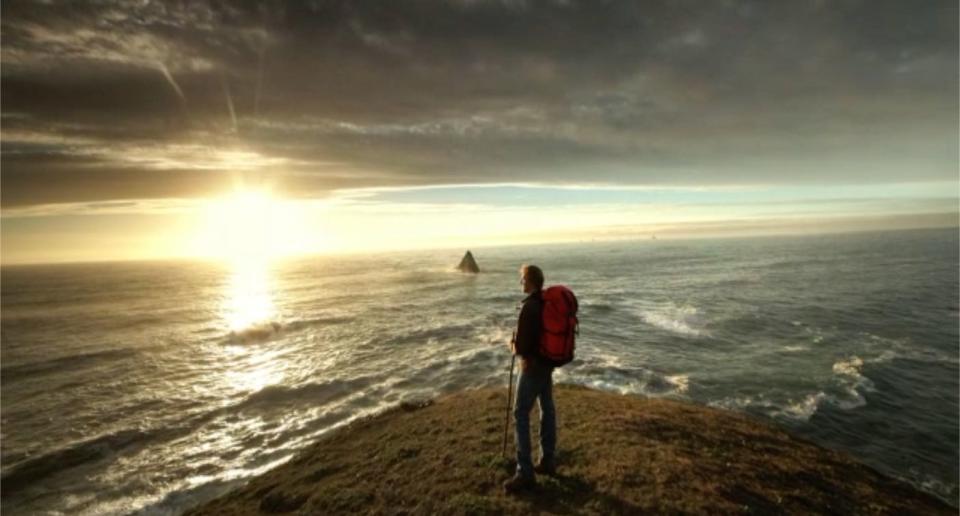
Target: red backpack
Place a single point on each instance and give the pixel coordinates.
(560, 325)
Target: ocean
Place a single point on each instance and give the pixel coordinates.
(151, 387)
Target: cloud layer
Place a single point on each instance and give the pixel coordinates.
(141, 100)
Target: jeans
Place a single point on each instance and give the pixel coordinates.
(534, 383)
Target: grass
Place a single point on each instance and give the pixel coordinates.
(617, 455)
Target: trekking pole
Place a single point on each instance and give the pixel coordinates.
(506, 424)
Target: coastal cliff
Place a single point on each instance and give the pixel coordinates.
(617, 455)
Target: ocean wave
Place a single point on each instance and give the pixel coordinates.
(604, 360)
(280, 397)
(302, 324)
(258, 332)
(476, 357)
(888, 349)
(849, 367)
(947, 491)
(497, 333)
(175, 501)
(802, 410)
(58, 364)
(596, 308)
(32, 470)
(626, 380)
(796, 409)
(316, 393)
(683, 320)
(435, 375)
(680, 381)
(929, 357)
(147, 318)
(850, 381)
(422, 335)
(844, 392)
(743, 403)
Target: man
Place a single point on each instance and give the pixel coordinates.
(535, 382)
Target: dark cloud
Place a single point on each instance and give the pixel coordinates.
(67, 181)
(334, 94)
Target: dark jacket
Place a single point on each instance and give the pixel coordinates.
(529, 327)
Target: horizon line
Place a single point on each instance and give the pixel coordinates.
(702, 230)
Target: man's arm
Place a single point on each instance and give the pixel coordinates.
(528, 331)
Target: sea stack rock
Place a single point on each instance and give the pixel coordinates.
(468, 264)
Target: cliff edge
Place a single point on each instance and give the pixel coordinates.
(617, 455)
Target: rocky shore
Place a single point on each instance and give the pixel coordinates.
(618, 455)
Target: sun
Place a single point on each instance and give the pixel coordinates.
(251, 226)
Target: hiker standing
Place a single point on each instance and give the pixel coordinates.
(535, 383)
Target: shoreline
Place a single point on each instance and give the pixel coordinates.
(616, 454)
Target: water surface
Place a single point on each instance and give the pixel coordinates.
(154, 386)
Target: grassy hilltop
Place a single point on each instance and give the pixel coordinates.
(617, 455)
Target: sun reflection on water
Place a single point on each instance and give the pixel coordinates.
(253, 370)
(249, 302)
(250, 314)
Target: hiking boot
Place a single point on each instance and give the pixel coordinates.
(519, 483)
(546, 467)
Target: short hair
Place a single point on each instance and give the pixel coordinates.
(534, 274)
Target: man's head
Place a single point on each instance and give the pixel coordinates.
(531, 277)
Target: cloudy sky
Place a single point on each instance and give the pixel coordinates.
(446, 123)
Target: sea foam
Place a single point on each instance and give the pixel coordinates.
(683, 320)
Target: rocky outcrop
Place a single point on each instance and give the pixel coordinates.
(468, 264)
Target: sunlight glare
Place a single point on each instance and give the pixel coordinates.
(252, 227)
(253, 370)
(248, 301)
